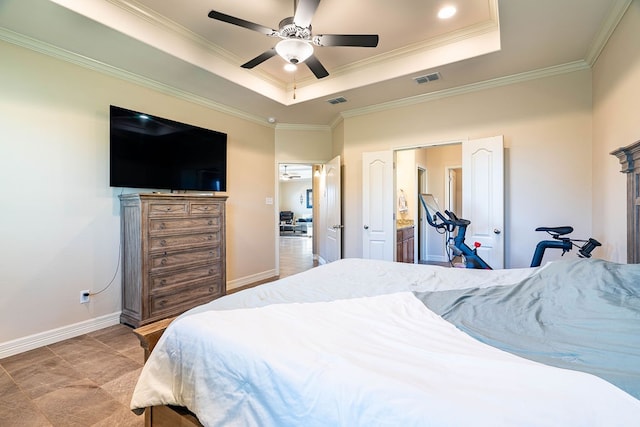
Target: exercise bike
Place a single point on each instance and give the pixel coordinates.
(470, 256)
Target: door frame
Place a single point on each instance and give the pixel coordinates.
(276, 205)
(422, 177)
(461, 142)
(424, 244)
(447, 194)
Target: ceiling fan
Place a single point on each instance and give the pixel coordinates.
(285, 175)
(297, 41)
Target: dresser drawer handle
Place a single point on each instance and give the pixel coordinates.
(163, 281)
(162, 226)
(168, 209)
(210, 222)
(211, 289)
(163, 242)
(211, 272)
(162, 303)
(164, 261)
(210, 237)
(206, 208)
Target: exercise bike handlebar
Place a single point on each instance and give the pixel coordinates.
(561, 242)
(458, 222)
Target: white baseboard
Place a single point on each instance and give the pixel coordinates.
(437, 258)
(31, 342)
(247, 280)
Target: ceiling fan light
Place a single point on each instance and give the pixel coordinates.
(294, 51)
(447, 12)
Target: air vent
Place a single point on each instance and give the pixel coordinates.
(427, 78)
(338, 100)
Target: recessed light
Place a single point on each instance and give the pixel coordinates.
(446, 12)
(290, 67)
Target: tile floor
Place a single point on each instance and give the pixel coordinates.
(88, 380)
(83, 381)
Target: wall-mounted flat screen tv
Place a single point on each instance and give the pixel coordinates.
(157, 153)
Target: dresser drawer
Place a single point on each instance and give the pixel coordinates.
(187, 297)
(175, 241)
(159, 225)
(168, 208)
(166, 281)
(206, 208)
(172, 259)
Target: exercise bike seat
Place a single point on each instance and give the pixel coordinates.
(558, 231)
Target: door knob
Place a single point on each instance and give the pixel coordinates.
(366, 227)
(337, 226)
(497, 231)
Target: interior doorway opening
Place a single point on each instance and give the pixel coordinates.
(295, 217)
(434, 169)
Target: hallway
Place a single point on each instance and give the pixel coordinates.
(296, 255)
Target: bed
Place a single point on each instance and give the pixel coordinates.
(362, 342)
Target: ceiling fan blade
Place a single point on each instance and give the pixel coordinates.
(357, 40)
(259, 59)
(242, 23)
(316, 67)
(305, 9)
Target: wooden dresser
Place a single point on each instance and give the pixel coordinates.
(173, 254)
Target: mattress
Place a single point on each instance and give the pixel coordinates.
(349, 344)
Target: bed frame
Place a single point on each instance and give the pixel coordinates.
(162, 416)
(175, 416)
(629, 157)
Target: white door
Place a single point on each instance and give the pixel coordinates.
(483, 197)
(378, 206)
(333, 214)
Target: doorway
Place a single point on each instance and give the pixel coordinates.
(295, 217)
(478, 167)
(433, 169)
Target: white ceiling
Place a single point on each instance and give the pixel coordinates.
(173, 44)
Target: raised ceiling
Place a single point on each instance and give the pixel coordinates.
(174, 45)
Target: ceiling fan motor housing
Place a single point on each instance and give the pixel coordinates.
(288, 30)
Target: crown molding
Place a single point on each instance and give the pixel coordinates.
(473, 87)
(405, 51)
(616, 13)
(142, 12)
(64, 55)
(315, 128)
(85, 62)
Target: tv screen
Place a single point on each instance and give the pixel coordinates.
(157, 153)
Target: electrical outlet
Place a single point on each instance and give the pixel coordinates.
(84, 296)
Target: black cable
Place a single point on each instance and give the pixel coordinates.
(115, 273)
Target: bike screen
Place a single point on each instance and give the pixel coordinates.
(431, 205)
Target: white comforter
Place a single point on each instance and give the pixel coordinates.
(362, 360)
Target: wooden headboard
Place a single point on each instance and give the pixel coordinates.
(629, 157)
